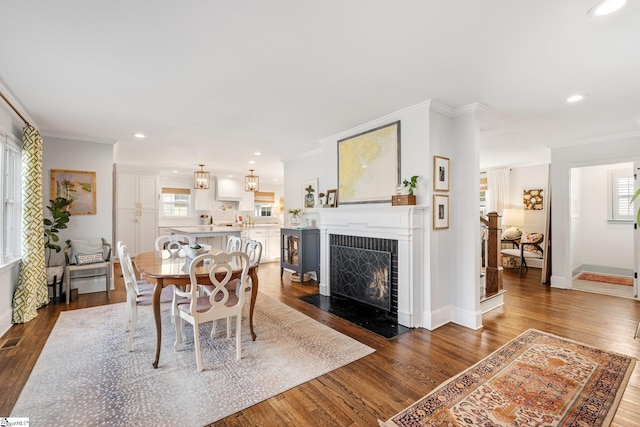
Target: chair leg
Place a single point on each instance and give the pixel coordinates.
(196, 338)
(228, 327)
(238, 336)
(178, 324)
(132, 329)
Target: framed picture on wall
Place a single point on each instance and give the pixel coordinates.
(310, 193)
(79, 187)
(440, 173)
(369, 165)
(440, 211)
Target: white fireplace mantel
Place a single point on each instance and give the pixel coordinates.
(406, 224)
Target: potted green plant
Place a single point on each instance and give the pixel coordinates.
(58, 209)
(294, 218)
(406, 199)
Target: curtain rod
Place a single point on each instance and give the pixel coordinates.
(26, 122)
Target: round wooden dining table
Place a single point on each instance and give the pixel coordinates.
(164, 268)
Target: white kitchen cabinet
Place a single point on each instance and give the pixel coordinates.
(204, 200)
(269, 237)
(229, 189)
(137, 212)
(273, 243)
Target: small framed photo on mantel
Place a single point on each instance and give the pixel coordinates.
(440, 173)
(332, 199)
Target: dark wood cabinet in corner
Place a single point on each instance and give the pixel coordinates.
(300, 251)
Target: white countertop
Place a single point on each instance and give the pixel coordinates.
(203, 230)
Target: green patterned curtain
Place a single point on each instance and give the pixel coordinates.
(32, 292)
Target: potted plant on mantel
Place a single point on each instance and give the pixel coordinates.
(406, 199)
(60, 214)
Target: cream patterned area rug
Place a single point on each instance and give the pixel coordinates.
(84, 376)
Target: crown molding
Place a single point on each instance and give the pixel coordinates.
(70, 137)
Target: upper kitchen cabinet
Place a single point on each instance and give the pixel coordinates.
(204, 200)
(229, 189)
(137, 211)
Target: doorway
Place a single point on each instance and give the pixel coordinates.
(602, 231)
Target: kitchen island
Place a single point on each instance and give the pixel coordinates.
(212, 235)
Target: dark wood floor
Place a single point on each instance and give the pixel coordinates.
(402, 369)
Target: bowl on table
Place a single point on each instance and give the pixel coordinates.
(195, 250)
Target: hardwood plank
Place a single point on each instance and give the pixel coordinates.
(402, 369)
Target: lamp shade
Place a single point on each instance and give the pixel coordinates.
(201, 179)
(251, 182)
(513, 217)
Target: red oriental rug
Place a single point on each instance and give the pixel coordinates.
(534, 379)
(605, 278)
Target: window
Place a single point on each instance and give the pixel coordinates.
(11, 196)
(620, 193)
(176, 203)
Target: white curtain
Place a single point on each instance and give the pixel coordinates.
(498, 185)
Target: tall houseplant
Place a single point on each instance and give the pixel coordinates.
(58, 209)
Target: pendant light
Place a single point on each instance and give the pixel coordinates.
(201, 179)
(251, 182)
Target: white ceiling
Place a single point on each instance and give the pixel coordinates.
(213, 81)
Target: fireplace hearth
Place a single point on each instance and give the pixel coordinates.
(364, 315)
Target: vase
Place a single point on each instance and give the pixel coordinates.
(294, 220)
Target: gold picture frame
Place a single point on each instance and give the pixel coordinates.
(440, 211)
(77, 186)
(441, 173)
(332, 198)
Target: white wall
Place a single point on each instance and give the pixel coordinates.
(85, 156)
(449, 257)
(529, 178)
(602, 243)
(562, 161)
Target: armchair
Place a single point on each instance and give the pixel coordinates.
(529, 247)
(92, 257)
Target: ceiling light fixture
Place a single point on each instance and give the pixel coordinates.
(201, 179)
(257, 153)
(575, 98)
(251, 182)
(606, 7)
(139, 135)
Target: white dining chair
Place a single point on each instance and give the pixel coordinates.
(219, 304)
(173, 241)
(234, 244)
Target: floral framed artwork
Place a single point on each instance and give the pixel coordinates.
(440, 173)
(533, 200)
(77, 186)
(310, 193)
(369, 165)
(332, 198)
(440, 211)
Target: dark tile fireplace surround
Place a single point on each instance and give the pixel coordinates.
(364, 283)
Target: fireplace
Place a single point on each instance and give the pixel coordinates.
(399, 230)
(362, 268)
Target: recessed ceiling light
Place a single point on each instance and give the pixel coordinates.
(230, 176)
(257, 153)
(175, 171)
(251, 161)
(576, 98)
(139, 135)
(606, 7)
